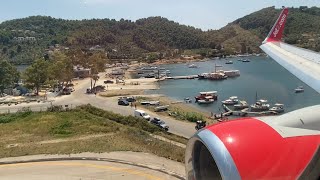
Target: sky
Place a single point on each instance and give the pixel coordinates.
(204, 14)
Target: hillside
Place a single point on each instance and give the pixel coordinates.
(23, 40)
(83, 129)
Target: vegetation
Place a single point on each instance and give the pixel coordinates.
(8, 75)
(150, 38)
(84, 129)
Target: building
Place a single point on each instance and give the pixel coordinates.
(81, 72)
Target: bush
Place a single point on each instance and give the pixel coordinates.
(55, 109)
(125, 120)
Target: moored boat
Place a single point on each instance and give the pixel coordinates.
(260, 105)
(229, 62)
(241, 105)
(207, 95)
(206, 100)
(231, 101)
(279, 108)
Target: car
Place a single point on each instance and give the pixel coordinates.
(123, 102)
(129, 99)
(158, 122)
(142, 114)
(108, 82)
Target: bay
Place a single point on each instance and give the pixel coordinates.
(262, 75)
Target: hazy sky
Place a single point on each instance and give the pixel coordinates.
(204, 14)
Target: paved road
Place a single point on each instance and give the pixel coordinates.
(79, 97)
(113, 166)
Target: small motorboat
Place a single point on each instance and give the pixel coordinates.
(279, 108)
(246, 60)
(229, 62)
(299, 89)
(207, 100)
(241, 105)
(261, 105)
(193, 66)
(231, 101)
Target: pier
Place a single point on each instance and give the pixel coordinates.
(243, 112)
(183, 77)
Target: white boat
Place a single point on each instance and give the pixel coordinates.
(229, 62)
(241, 105)
(279, 108)
(261, 105)
(193, 66)
(207, 100)
(231, 101)
(299, 89)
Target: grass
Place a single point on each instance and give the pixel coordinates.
(24, 130)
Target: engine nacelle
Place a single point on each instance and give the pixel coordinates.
(249, 148)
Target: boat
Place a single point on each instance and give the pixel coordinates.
(232, 73)
(279, 108)
(231, 101)
(193, 66)
(206, 100)
(246, 60)
(260, 105)
(203, 76)
(299, 89)
(241, 105)
(229, 62)
(207, 95)
(217, 76)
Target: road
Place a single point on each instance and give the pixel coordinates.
(79, 97)
(115, 165)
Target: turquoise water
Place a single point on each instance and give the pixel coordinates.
(262, 75)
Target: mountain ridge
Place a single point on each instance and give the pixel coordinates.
(23, 40)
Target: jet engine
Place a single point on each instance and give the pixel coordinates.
(281, 148)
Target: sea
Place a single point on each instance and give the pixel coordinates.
(262, 76)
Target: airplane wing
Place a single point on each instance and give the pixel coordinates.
(303, 63)
(283, 147)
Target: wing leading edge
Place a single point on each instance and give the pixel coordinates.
(302, 63)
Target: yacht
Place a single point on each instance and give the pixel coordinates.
(279, 108)
(299, 89)
(261, 105)
(231, 101)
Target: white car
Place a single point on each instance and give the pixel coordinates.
(141, 113)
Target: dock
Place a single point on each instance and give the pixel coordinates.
(245, 112)
(183, 77)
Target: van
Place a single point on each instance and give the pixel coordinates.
(142, 114)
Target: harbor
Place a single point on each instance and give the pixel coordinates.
(260, 75)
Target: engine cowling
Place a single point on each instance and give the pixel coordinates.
(250, 148)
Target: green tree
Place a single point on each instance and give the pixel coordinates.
(8, 75)
(61, 69)
(97, 63)
(37, 74)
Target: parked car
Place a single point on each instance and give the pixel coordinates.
(129, 99)
(142, 114)
(158, 122)
(123, 102)
(108, 82)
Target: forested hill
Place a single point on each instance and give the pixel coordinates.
(23, 40)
